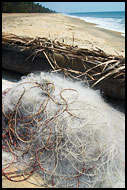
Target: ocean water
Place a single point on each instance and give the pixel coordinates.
(114, 21)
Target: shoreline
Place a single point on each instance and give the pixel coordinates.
(73, 31)
(97, 25)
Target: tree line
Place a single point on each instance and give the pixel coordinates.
(24, 7)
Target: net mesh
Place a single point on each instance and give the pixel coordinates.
(62, 131)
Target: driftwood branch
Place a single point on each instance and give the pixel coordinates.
(93, 66)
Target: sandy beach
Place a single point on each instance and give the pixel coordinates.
(64, 29)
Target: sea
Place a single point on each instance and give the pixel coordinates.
(114, 21)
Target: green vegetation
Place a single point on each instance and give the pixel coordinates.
(24, 7)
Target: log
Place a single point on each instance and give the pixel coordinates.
(113, 88)
(22, 59)
(14, 58)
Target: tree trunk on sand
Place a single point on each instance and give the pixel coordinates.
(22, 60)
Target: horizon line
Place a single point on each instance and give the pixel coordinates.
(92, 11)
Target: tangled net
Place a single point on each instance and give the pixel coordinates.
(58, 132)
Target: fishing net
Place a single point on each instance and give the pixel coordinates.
(62, 132)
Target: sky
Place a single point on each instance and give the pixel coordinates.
(70, 7)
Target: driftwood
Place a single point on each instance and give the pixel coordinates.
(93, 67)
